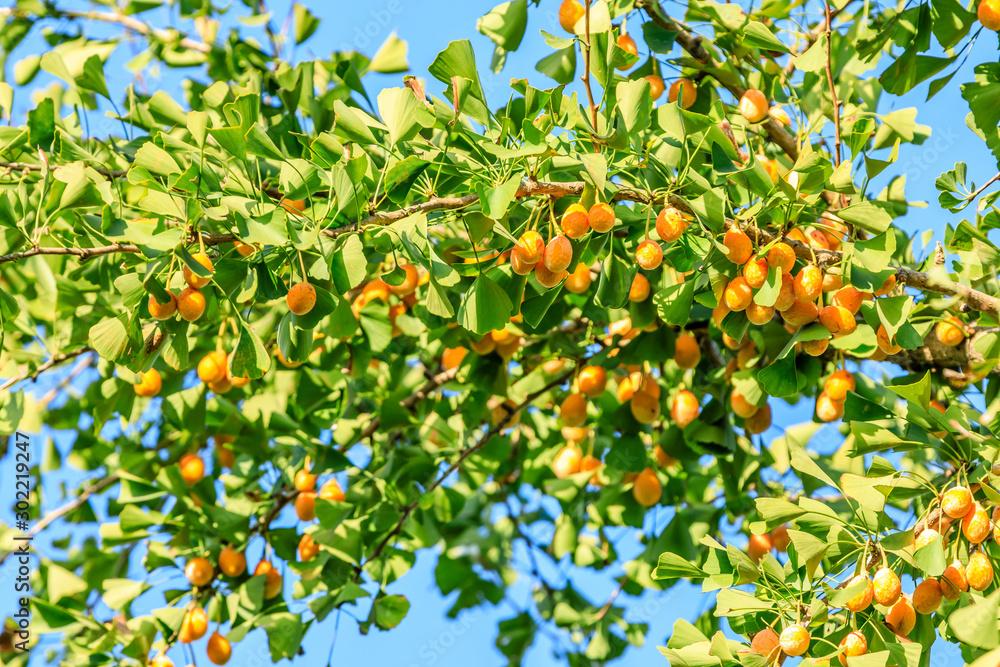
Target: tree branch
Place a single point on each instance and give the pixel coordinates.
(54, 361)
(466, 453)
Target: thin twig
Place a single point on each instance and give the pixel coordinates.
(833, 87)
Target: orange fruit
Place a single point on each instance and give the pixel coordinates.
(558, 254)
(759, 421)
(232, 562)
(759, 546)
(332, 491)
(976, 524)
(192, 278)
(886, 588)
(656, 86)
(684, 408)
(884, 343)
(979, 573)
(988, 14)
(602, 217)
(738, 294)
(199, 571)
(927, 596)
(452, 357)
(853, 644)
(531, 246)
(862, 600)
(780, 538)
(219, 650)
(190, 304)
(150, 384)
(593, 380)
(954, 581)
(781, 257)
(575, 222)
(308, 549)
(808, 283)
(627, 44)
(827, 409)
(305, 505)
(410, 281)
(194, 626)
(213, 366)
(753, 106)
(685, 90)
(646, 488)
(794, 640)
(687, 352)
(739, 248)
(162, 311)
(567, 461)
(272, 584)
(192, 468)
(570, 11)
(639, 291)
(838, 320)
(956, 502)
(648, 255)
(301, 298)
(670, 224)
(767, 644)
(838, 384)
(755, 272)
(645, 407)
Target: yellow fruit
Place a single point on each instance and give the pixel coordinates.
(927, 596)
(573, 410)
(272, 584)
(305, 505)
(656, 86)
(601, 217)
(687, 352)
(150, 384)
(956, 502)
(794, 640)
(862, 600)
(332, 491)
(759, 546)
(213, 367)
(901, 617)
(685, 408)
(976, 524)
(627, 44)
(232, 563)
(219, 650)
(780, 538)
(684, 89)
(308, 549)
(301, 298)
(767, 644)
(739, 248)
(979, 573)
(950, 331)
(954, 581)
(592, 381)
(988, 14)
(639, 291)
(645, 408)
(886, 588)
(570, 11)
(190, 304)
(192, 468)
(192, 278)
(648, 255)
(646, 488)
(567, 461)
(452, 357)
(853, 645)
(194, 626)
(199, 571)
(162, 311)
(753, 106)
(575, 222)
(838, 384)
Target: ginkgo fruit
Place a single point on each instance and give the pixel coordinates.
(753, 106)
(954, 581)
(592, 381)
(232, 563)
(193, 626)
(838, 384)
(738, 294)
(272, 582)
(767, 644)
(755, 272)
(927, 596)
(308, 549)
(558, 254)
(531, 246)
(684, 408)
(219, 650)
(547, 278)
(190, 304)
(648, 255)
(988, 14)
(739, 248)
(199, 571)
(305, 505)
(759, 546)
(411, 279)
(601, 217)
(301, 298)
(570, 12)
(452, 357)
(212, 366)
(956, 502)
(979, 572)
(573, 410)
(627, 44)
(950, 331)
(853, 644)
(794, 640)
(575, 222)
(646, 488)
(976, 524)
(759, 421)
(331, 491)
(656, 86)
(827, 409)
(685, 90)
(192, 468)
(687, 352)
(645, 407)
(640, 289)
(192, 278)
(162, 311)
(838, 320)
(741, 406)
(579, 280)
(886, 587)
(862, 600)
(567, 461)
(808, 283)
(149, 384)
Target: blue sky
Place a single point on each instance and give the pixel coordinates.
(426, 637)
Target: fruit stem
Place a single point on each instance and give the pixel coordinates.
(586, 69)
(302, 263)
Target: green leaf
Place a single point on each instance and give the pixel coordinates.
(249, 359)
(976, 624)
(871, 216)
(505, 24)
(306, 23)
(756, 34)
(559, 65)
(485, 307)
(673, 303)
(398, 107)
(930, 558)
(390, 57)
(814, 58)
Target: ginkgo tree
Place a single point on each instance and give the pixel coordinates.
(388, 321)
